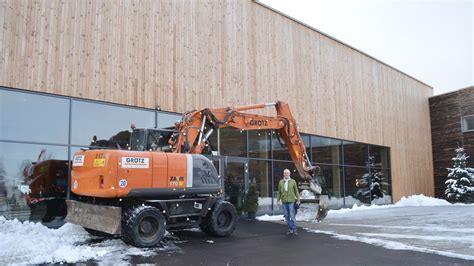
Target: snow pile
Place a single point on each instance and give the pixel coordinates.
(270, 218)
(411, 201)
(420, 200)
(308, 212)
(306, 194)
(33, 243)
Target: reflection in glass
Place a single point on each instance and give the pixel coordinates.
(381, 156)
(331, 177)
(368, 185)
(234, 184)
(212, 144)
(307, 143)
(355, 186)
(167, 120)
(385, 181)
(259, 144)
(33, 117)
(371, 183)
(355, 153)
(233, 142)
(279, 149)
(33, 181)
(260, 174)
(104, 125)
(326, 150)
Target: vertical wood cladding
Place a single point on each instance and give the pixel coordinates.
(446, 112)
(184, 55)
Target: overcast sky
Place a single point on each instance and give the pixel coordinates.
(431, 40)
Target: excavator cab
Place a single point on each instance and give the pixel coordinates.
(150, 139)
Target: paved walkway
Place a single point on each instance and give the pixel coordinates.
(444, 230)
(265, 243)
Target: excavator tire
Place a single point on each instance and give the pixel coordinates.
(221, 220)
(143, 226)
(97, 233)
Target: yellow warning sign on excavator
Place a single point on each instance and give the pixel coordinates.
(99, 162)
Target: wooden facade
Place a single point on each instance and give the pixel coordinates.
(182, 55)
(447, 111)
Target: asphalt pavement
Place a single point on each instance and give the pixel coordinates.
(265, 243)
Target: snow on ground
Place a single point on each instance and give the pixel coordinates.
(417, 223)
(33, 243)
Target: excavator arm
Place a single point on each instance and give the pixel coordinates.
(195, 128)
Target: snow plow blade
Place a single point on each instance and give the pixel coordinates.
(106, 219)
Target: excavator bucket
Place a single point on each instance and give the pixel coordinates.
(322, 211)
(101, 218)
(315, 187)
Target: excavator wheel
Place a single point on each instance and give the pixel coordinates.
(143, 226)
(221, 220)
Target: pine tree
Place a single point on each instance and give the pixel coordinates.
(251, 199)
(373, 177)
(460, 183)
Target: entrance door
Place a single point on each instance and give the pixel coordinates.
(236, 181)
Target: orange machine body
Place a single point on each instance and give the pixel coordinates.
(115, 173)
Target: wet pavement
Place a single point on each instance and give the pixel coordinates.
(265, 243)
(445, 230)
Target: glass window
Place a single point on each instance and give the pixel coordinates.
(158, 140)
(468, 123)
(326, 150)
(331, 179)
(234, 183)
(212, 144)
(167, 120)
(380, 155)
(33, 117)
(106, 125)
(233, 142)
(41, 171)
(356, 185)
(381, 183)
(355, 153)
(259, 144)
(260, 174)
(279, 149)
(307, 143)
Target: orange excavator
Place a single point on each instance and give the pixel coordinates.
(163, 180)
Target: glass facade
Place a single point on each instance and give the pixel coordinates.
(38, 141)
(233, 142)
(39, 134)
(104, 125)
(33, 117)
(259, 144)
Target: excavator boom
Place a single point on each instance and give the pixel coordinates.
(194, 130)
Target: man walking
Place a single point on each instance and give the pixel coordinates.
(289, 196)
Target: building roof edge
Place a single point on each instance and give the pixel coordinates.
(337, 40)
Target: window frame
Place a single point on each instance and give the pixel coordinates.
(463, 119)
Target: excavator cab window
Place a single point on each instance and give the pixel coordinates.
(150, 140)
(157, 140)
(138, 140)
